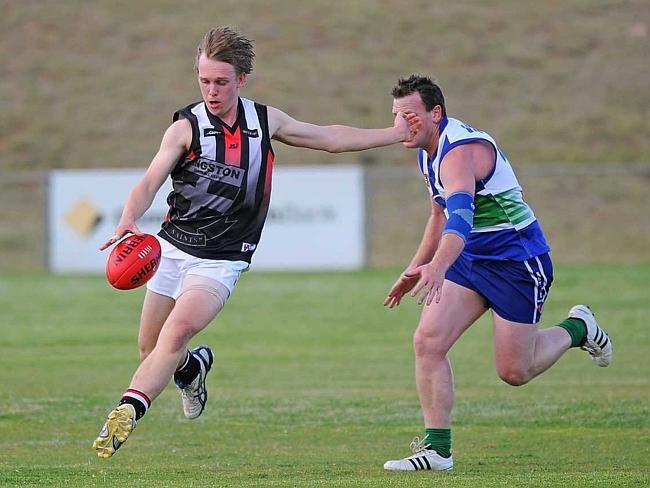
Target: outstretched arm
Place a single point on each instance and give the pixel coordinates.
(338, 138)
(174, 143)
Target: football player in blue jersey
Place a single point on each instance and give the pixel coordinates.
(482, 249)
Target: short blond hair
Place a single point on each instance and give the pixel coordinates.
(229, 46)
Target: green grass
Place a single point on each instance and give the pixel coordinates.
(313, 386)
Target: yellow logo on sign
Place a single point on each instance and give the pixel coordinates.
(83, 217)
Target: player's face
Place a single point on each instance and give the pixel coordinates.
(413, 104)
(220, 84)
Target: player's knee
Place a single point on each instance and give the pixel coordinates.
(427, 346)
(177, 336)
(144, 350)
(514, 376)
(146, 344)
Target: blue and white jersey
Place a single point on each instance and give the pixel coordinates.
(504, 225)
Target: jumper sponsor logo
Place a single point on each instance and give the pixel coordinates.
(183, 237)
(211, 131)
(217, 171)
(250, 132)
(245, 247)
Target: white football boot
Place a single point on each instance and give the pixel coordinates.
(118, 426)
(195, 395)
(598, 343)
(422, 458)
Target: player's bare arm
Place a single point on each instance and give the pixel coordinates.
(459, 171)
(338, 138)
(423, 255)
(175, 142)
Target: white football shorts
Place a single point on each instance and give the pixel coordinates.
(175, 265)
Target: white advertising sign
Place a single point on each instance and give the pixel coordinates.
(316, 218)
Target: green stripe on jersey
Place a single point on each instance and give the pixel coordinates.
(503, 210)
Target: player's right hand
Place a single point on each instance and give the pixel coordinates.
(402, 286)
(120, 231)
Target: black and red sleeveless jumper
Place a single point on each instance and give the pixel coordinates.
(222, 185)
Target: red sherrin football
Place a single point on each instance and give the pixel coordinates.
(133, 261)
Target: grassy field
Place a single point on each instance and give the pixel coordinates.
(313, 386)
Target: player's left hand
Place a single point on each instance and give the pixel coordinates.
(429, 286)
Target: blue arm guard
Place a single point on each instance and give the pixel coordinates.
(460, 206)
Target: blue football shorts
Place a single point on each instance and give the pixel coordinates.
(515, 290)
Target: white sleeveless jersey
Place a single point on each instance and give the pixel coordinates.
(498, 200)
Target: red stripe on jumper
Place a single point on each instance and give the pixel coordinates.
(233, 147)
